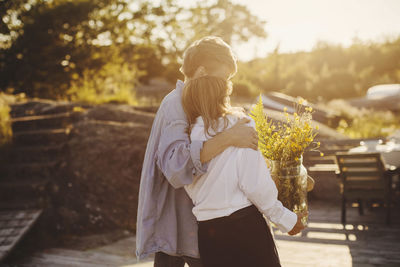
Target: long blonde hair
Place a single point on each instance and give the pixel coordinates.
(207, 96)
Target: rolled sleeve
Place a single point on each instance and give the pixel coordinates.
(195, 148)
(287, 221)
(177, 157)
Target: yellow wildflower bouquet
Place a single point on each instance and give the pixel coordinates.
(288, 140)
(283, 145)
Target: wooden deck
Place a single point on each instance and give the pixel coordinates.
(14, 224)
(364, 241)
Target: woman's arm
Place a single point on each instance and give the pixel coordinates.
(256, 182)
(181, 160)
(238, 135)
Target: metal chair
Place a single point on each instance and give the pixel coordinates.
(363, 177)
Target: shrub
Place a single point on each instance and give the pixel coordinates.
(244, 88)
(371, 125)
(113, 83)
(364, 123)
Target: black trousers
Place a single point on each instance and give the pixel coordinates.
(242, 239)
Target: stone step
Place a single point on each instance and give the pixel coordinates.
(22, 203)
(21, 154)
(51, 121)
(12, 190)
(41, 137)
(41, 107)
(28, 170)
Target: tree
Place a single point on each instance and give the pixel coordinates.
(55, 41)
(48, 45)
(234, 23)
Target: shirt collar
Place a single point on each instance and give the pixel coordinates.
(179, 85)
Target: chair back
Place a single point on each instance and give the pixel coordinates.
(361, 172)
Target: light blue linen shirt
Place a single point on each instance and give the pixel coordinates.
(165, 221)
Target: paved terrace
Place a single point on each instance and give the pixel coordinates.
(364, 241)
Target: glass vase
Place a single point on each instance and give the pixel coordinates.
(290, 178)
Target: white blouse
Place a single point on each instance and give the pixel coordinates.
(235, 179)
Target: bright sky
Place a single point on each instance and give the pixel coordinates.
(298, 24)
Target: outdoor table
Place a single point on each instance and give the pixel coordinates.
(390, 155)
(390, 152)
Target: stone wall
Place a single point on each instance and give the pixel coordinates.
(99, 184)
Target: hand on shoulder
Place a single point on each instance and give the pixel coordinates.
(243, 134)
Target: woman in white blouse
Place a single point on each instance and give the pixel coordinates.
(231, 198)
